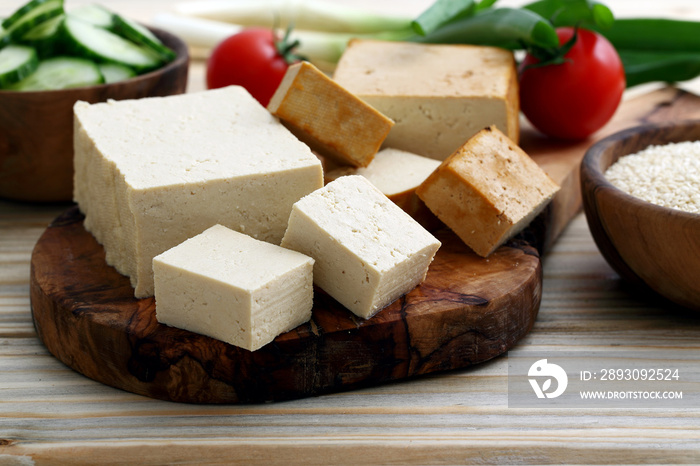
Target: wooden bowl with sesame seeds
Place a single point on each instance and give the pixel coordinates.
(650, 245)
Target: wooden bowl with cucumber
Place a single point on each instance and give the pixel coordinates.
(52, 57)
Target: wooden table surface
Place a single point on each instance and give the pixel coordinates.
(52, 415)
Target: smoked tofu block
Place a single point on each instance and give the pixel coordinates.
(438, 95)
(229, 286)
(397, 174)
(487, 191)
(367, 251)
(151, 173)
(328, 118)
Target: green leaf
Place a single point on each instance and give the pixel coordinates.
(440, 13)
(485, 4)
(499, 27)
(574, 12)
(602, 16)
(654, 34)
(643, 66)
(543, 35)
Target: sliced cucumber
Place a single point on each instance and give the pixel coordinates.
(43, 48)
(141, 35)
(30, 16)
(90, 41)
(44, 30)
(94, 14)
(16, 63)
(61, 73)
(114, 73)
(45, 37)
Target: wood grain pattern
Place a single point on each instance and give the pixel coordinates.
(644, 243)
(468, 310)
(51, 415)
(562, 159)
(36, 128)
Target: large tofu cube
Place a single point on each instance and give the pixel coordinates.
(487, 191)
(151, 173)
(438, 95)
(232, 287)
(368, 251)
(397, 174)
(331, 120)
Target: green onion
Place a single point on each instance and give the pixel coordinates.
(322, 48)
(654, 34)
(501, 27)
(573, 12)
(651, 66)
(654, 49)
(651, 49)
(440, 13)
(311, 15)
(485, 4)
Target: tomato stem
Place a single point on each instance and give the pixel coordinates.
(553, 55)
(287, 49)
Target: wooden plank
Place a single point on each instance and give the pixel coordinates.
(49, 414)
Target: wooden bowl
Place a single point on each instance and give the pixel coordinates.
(646, 244)
(36, 128)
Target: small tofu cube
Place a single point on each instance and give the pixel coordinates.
(487, 191)
(327, 117)
(232, 287)
(397, 174)
(439, 95)
(367, 251)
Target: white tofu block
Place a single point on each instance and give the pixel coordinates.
(397, 174)
(150, 173)
(367, 251)
(439, 95)
(232, 287)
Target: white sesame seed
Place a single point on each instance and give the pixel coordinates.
(667, 175)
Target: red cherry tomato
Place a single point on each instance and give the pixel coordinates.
(572, 100)
(250, 59)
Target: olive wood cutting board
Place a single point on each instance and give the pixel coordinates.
(467, 311)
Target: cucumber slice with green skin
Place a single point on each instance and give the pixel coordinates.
(94, 14)
(61, 73)
(141, 35)
(89, 41)
(16, 63)
(46, 37)
(44, 30)
(29, 16)
(114, 73)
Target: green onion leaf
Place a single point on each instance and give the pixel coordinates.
(440, 13)
(500, 27)
(654, 34)
(485, 4)
(574, 12)
(602, 16)
(643, 66)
